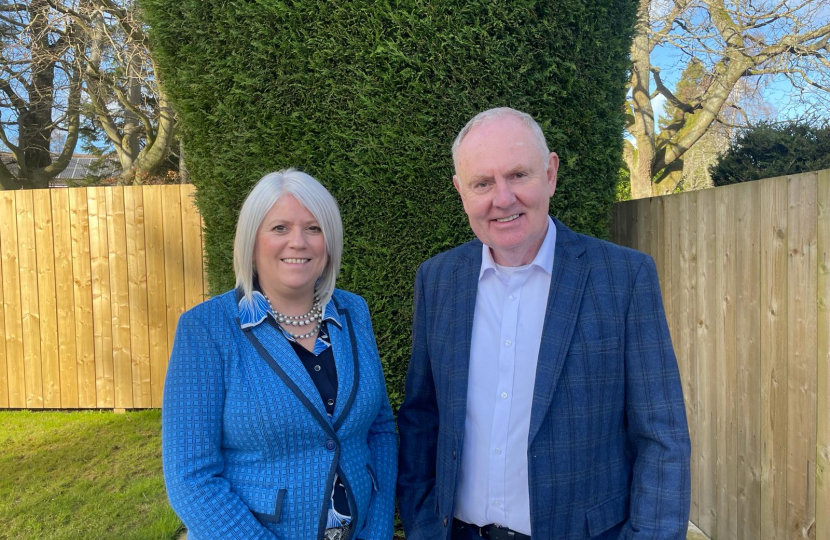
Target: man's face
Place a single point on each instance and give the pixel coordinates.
(501, 177)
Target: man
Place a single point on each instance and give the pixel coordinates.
(543, 398)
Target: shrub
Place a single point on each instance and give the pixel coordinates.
(368, 97)
(768, 150)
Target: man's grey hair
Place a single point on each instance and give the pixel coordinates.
(500, 112)
(311, 194)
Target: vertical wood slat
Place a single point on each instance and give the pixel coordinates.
(205, 282)
(82, 296)
(137, 276)
(101, 296)
(748, 349)
(690, 326)
(708, 309)
(823, 360)
(30, 311)
(727, 474)
(156, 300)
(15, 371)
(801, 358)
(64, 298)
(4, 374)
(173, 261)
(661, 247)
(626, 225)
(120, 298)
(644, 225)
(191, 248)
(773, 195)
(47, 297)
(674, 213)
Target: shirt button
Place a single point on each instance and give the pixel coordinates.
(508, 343)
(504, 395)
(512, 297)
(330, 402)
(496, 503)
(317, 368)
(331, 445)
(498, 451)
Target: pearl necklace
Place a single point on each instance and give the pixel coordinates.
(314, 314)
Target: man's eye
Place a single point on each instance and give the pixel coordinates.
(481, 185)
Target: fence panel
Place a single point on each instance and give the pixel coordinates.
(47, 299)
(82, 295)
(13, 318)
(747, 286)
(748, 351)
(92, 281)
(823, 364)
(64, 297)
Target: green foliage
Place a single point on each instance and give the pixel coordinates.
(368, 97)
(768, 150)
(623, 185)
(71, 475)
(689, 85)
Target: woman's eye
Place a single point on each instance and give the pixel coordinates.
(315, 229)
(279, 228)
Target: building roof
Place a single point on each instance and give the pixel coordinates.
(77, 169)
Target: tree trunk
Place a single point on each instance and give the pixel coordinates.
(643, 128)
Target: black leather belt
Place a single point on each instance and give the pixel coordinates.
(491, 532)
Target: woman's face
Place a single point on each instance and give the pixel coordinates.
(290, 250)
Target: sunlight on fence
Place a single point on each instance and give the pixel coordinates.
(744, 276)
(93, 282)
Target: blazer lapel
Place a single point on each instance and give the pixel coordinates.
(344, 346)
(465, 286)
(567, 284)
(293, 371)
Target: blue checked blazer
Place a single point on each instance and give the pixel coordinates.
(608, 448)
(248, 449)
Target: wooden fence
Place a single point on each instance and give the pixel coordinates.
(93, 283)
(745, 276)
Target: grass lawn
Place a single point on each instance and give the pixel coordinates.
(83, 476)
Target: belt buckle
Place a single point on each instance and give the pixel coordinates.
(498, 532)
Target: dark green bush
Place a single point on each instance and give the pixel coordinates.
(768, 150)
(368, 97)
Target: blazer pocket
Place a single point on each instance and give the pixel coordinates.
(607, 514)
(277, 515)
(372, 476)
(595, 347)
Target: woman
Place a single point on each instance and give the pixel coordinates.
(276, 423)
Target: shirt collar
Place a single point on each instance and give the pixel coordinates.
(543, 259)
(252, 312)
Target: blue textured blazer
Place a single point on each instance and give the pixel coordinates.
(248, 449)
(608, 448)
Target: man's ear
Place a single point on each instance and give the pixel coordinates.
(553, 170)
(456, 181)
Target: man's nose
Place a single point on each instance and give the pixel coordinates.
(504, 196)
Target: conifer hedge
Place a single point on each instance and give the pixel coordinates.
(368, 96)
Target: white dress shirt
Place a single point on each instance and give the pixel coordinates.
(507, 330)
